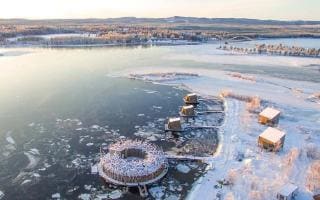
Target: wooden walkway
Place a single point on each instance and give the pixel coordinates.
(188, 158)
(210, 111)
(204, 127)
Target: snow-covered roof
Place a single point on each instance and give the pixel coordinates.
(272, 134)
(115, 163)
(188, 107)
(288, 189)
(270, 113)
(192, 94)
(174, 119)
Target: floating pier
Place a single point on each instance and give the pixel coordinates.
(188, 158)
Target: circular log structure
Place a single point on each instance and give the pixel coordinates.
(133, 163)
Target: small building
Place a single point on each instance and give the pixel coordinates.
(174, 124)
(316, 197)
(191, 98)
(287, 192)
(269, 116)
(271, 139)
(187, 111)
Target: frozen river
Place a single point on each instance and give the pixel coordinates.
(58, 106)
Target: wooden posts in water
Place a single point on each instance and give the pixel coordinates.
(143, 190)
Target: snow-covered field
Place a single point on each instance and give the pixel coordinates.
(241, 170)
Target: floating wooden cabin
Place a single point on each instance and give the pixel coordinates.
(287, 192)
(271, 139)
(133, 163)
(191, 99)
(187, 111)
(174, 124)
(269, 116)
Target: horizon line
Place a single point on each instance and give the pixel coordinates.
(102, 18)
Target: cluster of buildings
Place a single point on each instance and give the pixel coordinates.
(279, 49)
(137, 163)
(174, 123)
(272, 139)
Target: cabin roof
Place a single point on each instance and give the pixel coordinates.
(288, 189)
(270, 113)
(188, 107)
(192, 94)
(174, 119)
(272, 134)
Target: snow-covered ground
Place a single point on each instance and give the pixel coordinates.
(252, 173)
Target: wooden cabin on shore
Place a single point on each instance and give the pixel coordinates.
(269, 116)
(271, 139)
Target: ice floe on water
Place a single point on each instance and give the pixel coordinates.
(102, 196)
(87, 187)
(150, 91)
(172, 197)
(157, 192)
(9, 138)
(1, 194)
(116, 194)
(34, 151)
(157, 107)
(56, 196)
(31, 124)
(149, 132)
(26, 182)
(68, 123)
(84, 196)
(183, 168)
(90, 144)
(162, 77)
(33, 160)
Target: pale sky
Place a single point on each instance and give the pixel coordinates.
(260, 9)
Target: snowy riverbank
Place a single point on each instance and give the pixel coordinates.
(241, 170)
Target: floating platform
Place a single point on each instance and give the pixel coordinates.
(187, 116)
(133, 163)
(210, 111)
(166, 128)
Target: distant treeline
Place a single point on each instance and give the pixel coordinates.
(169, 20)
(131, 30)
(279, 49)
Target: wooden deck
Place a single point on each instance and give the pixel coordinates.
(188, 158)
